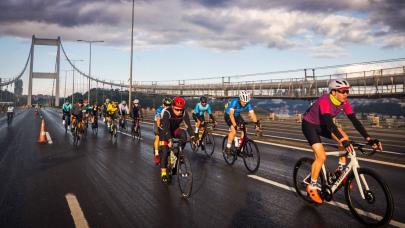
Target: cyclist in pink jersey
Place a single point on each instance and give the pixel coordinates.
(318, 121)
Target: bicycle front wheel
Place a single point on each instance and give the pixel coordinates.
(184, 175)
(251, 156)
(209, 144)
(229, 159)
(302, 177)
(377, 206)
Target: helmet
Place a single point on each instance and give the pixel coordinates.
(203, 99)
(124, 102)
(107, 100)
(80, 101)
(244, 96)
(339, 84)
(179, 102)
(136, 101)
(167, 101)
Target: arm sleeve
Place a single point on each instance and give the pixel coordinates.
(327, 118)
(186, 119)
(165, 125)
(357, 124)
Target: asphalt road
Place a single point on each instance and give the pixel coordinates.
(102, 184)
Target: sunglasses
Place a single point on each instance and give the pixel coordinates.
(178, 109)
(343, 91)
(203, 102)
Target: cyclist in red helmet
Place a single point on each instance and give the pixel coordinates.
(169, 128)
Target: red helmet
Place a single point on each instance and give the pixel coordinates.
(179, 102)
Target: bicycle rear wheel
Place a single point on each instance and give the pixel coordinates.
(184, 175)
(302, 177)
(378, 206)
(209, 144)
(229, 159)
(251, 156)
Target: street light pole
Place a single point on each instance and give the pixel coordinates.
(73, 71)
(90, 42)
(130, 69)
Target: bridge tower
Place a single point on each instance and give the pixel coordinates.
(55, 75)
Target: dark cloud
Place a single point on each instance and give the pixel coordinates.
(64, 13)
(389, 12)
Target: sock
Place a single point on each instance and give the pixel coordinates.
(228, 144)
(313, 183)
(156, 152)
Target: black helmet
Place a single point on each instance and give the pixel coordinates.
(167, 101)
(203, 99)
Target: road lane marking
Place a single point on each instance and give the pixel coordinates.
(334, 203)
(48, 138)
(310, 150)
(124, 133)
(76, 211)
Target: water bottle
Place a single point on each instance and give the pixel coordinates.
(199, 134)
(236, 142)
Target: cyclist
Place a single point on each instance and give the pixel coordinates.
(319, 121)
(123, 111)
(104, 109)
(77, 115)
(66, 112)
(158, 114)
(10, 112)
(87, 108)
(198, 114)
(136, 113)
(111, 114)
(94, 113)
(233, 118)
(170, 122)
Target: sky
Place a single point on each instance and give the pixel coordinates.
(193, 39)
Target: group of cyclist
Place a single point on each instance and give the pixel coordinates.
(318, 121)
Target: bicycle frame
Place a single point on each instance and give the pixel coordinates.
(352, 166)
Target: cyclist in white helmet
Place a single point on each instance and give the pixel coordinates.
(233, 118)
(318, 121)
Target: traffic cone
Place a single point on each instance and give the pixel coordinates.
(42, 134)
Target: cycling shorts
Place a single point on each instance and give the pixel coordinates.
(238, 119)
(198, 117)
(313, 132)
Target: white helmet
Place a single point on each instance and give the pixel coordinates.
(244, 96)
(339, 84)
(107, 100)
(136, 101)
(124, 102)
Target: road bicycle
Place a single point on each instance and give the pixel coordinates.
(367, 195)
(66, 122)
(77, 132)
(136, 129)
(247, 150)
(206, 140)
(94, 125)
(113, 131)
(179, 164)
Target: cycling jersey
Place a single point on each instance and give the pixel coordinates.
(170, 123)
(123, 109)
(77, 111)
(324, 106)
(237, 107)
(111, 110)
(136, 111)
(94, 110)
(66, 108)
(158, 113)
(200, 109)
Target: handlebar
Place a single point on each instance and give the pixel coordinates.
(360, 147)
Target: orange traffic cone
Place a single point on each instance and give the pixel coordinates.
(42, 136)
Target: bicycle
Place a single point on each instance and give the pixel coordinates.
(66, 121)
(78, 131)
(136, 129)
(9, 118)
(94, 125)
(205, 139)
(353, 178)
(86, 122)
(247, 150)
(181, 166)
(113, 131)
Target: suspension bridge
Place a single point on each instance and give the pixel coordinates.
(307, 83)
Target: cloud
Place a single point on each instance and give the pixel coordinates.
(320, 26)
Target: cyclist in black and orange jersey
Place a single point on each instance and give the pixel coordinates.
(318, 121)
(77, 115)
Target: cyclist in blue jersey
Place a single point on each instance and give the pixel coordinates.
(66, 112)
(198, 113)
(158, 115)
(233, 118)
(318, 121)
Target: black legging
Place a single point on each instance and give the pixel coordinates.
(178, 134)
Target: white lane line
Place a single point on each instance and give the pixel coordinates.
(48, 138)
(310, 150)
(124, 133)
(334, 203)
(76, 211)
